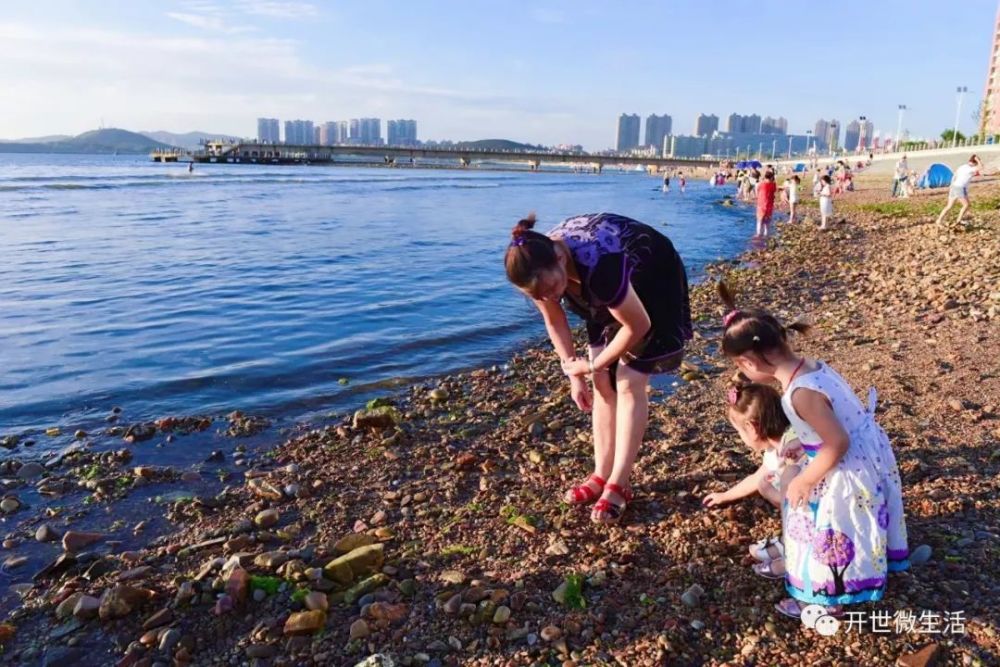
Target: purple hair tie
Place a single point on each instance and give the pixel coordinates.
(729, 317)
(519, 241)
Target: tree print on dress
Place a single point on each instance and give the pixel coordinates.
(835, 550)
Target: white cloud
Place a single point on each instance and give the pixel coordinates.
(282, 9)
(208, 22)
(68, 78)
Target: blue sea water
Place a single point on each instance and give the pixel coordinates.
(258, 288)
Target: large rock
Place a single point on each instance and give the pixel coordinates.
(349, 543)
(365, 586)
(73, 541)
(238, 585)
(87, 607)
(65, 608)
(305, 622)
(30, 470)
(120, 601)
(265, 489)
(384, 416)
(46, 533)
(267, 518)
(361, 561)
(925, 657)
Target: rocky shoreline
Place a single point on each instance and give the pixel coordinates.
(427, 529)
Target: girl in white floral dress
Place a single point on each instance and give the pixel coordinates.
(843, 523)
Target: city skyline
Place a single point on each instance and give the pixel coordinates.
(218, 65)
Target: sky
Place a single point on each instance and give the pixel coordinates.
(545, 71)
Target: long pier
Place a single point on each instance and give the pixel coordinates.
(259, 153)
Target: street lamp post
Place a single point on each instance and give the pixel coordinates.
(760, 150)
(961, 90)
(789, 147)
(899, 124)
(774, 147)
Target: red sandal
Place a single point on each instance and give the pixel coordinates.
(585, 494)
(613, 510)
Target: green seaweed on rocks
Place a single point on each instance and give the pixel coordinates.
(269, 585)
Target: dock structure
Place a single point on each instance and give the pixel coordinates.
(261, 153)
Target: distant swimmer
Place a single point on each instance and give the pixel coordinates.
(666, 182)
(190, 167)
(683, 182)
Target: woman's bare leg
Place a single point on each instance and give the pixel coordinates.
(603, 415)
(631, 417)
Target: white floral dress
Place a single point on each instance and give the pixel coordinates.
(840, 545)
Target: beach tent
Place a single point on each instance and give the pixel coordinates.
(801, 166)
(936, 176)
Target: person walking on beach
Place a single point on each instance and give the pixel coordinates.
(791, 194)
(628, 284)
(843, 526)
(765, 203)
(959, 190)
(825, 202)
(899, 182)
(683, 181)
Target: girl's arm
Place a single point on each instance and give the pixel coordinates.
(635, 324)
(814, 408)
(745, 487)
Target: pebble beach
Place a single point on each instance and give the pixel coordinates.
(427, 528)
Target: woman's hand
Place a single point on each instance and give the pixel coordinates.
(580, 392)
(576, 367)
(799, 490)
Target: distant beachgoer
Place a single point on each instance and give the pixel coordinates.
(902, 173)
(843, 525)
(817, 183)
(825, 202)
(666, 181)
(683, 181)
(628, 284)
(959, 190)
(791, 195)
(190, 167)
(765, 203)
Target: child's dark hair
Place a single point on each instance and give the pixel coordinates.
(796, 179)
(753, 330)
(528, 254)
(826, 178)
(759, 404)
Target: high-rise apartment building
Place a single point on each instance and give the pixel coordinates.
(774, 125)
(858, 135)
(833, 135)
(628, 132)
(737, 124)
(821, 129)
(401, 132)
(705, 126)
(657, 127)
(299, 132)
(990, 113)
(268, 131)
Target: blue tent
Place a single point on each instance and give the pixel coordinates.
(748, 164)
(801, 166)
(936, 176)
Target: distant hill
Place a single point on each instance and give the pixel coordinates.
(188, 140)
(498, 145)
(109, 140)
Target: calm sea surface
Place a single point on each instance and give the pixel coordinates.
(128, 283)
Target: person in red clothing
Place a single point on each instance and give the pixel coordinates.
(765, 203)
